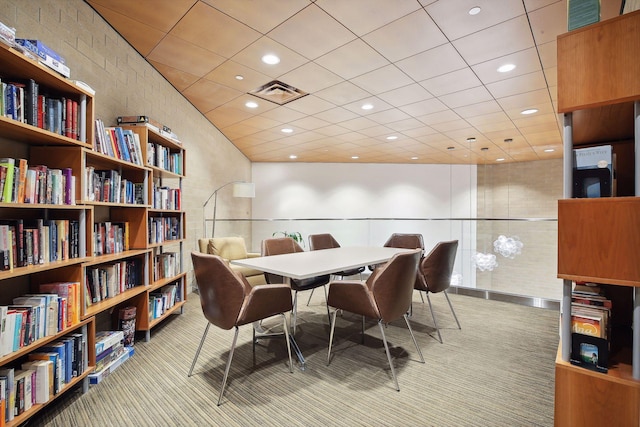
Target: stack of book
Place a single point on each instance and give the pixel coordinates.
(46, 55)
(110, 353)
(590, 327)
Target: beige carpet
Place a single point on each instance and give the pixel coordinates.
(497, 371)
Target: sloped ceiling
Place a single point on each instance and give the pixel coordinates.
(427, 68)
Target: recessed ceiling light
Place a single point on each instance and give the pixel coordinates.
(392, 137)
(270, 59)
(251, 104)
(529, 111)
(414, 158)
(355, 157)
(286, 130)
(506, 68)
(474, 10)
(367, 106)
(500, 159)
(472, 139)
(239, 77)
(293, 156)
(549, 150)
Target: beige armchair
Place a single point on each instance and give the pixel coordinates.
(231, 248)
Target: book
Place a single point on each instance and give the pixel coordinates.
(107, 339)
(7, 192)
(43, 374)
(96, 377)
(127, 324)
(589, 352)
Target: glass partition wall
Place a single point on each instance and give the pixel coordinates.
(507, 259)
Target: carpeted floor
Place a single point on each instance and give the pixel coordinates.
(497, 371)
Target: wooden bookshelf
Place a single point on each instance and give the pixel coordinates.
(599, 95)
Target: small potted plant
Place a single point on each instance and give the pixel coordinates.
(295, 235)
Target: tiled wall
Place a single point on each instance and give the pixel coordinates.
(126, 84)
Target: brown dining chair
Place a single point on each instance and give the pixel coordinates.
(229, 301)
(385, 296)
(404, 241)
(434, 275)
(286, 245)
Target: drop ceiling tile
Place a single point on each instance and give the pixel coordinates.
(226, 73)
(438, 117)
(451, 82)
(517, 85)
(431, 63)
(263, 15)
(143, 37)
(213, 30)
(525, 100)
(500, 40)
(336, 115)
(446, 127)
(389, 116)
(310, 104)
(419, 131)
(351, 60)
(423, 108)
(478, 109)
(383, 79)
(311, 78)
(206, 95)
(364, 16)
(225, 116)
(376, 131)
(282, 114)
(312, 33)
(378, 105)
(466, 97)
(179, 79)
(391, 40)
(251, 57)
(342, 93)
(177, 53)
(526, 61)
(406, 124)
(332, 130)
(310, 123)
(405, 95)
(163, 16)
(455, 22)
(239, 130)
(548, 55)
(549, 21)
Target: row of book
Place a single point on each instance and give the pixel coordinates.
(162, 229)
(110, 353)
(40, 241)
(166, 198)
(109, 186)
(147, 121)
(21, 183)
(35, 316)
(590, 326)
(117, 142)
(166, 264)
(21, 100)
(107, 281)
(162, 157)
(43, 374)
(163, 299)
(110, 237)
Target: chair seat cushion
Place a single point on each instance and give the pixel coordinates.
(246, 271)
(310, 283)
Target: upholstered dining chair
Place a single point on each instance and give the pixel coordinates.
(286, 245)
(229, 301)
(434, 275)
(404, 241)
(385, 296)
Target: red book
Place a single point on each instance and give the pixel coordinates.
(74, 120)
(68, 118)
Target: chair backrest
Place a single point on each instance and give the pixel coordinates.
(227, 247)
(222, 291)
(437, 267)
(392, 284)
(278, 246)
(322, 241)
(406, 241)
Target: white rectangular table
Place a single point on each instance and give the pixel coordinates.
(302, 265)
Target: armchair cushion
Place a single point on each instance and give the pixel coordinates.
(232, 248)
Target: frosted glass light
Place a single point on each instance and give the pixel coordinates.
(508, 247)
(484, 262)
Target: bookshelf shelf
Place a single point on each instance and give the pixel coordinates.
(599, 95)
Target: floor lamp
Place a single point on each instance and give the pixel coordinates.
(240, 189)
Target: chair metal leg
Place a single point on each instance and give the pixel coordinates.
(286, 338)
(406, 319)
(333, 325)
(199, 348)
(326, 300)
(452, 310)
(433, 315)
(294, 312)
(310, 295)
(226, 370)
(386, 348)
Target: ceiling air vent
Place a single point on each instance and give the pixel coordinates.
(278, 92)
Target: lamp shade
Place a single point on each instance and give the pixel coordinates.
(244, 189)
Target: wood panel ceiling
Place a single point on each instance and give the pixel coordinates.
(428, 68)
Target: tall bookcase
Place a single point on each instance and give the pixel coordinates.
(598, 239)
(152, 278)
